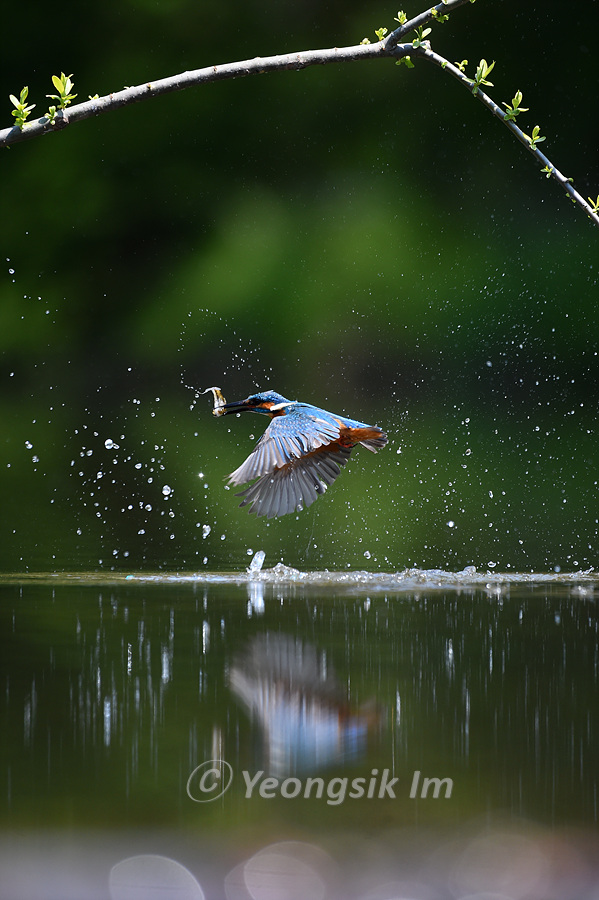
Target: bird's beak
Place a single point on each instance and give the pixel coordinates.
(236, 406)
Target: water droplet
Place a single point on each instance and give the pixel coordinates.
(257, 561)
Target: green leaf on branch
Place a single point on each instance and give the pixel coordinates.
(535, 137)
(421, 33)
(64, 86)
(401, 17)
(21, 110)
(462, 66)
(380, 33)
(594, 204)
(406, 61)
(483, 70)
(515, 109)
(548, 171)
(439, 17)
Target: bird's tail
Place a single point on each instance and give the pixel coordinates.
(377, 443)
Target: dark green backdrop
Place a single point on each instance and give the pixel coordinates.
(364, 237)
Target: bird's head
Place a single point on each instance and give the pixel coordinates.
(268, 402)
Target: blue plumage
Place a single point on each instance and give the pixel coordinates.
(299, 455)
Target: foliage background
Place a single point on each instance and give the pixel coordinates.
(363, 237)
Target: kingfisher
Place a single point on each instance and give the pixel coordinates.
(299, 455)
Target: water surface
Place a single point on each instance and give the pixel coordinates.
(391, 714)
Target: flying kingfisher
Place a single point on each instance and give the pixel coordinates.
(299, 455)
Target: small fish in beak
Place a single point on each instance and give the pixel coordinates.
(219, 400)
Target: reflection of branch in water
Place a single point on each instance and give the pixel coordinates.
(305, 718)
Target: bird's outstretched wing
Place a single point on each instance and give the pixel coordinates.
(287, 438)
(296, 484)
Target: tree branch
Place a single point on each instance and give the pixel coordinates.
(388, 47)
(129, 95)
(423, 18)
(552, 172)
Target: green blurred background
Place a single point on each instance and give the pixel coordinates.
(363, 237)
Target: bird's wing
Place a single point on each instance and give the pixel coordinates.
(287, 438)
(295, 485)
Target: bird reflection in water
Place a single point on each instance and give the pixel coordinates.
(305, 719)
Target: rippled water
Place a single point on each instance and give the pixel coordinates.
(407, 579)
(273, 733)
